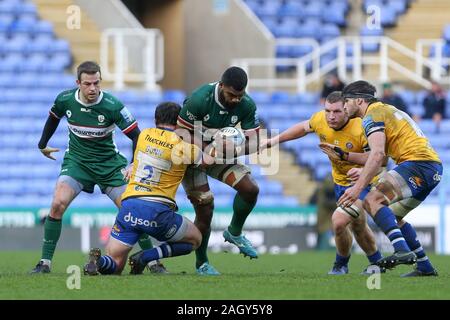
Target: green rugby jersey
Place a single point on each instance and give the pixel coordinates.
(204, 105)
(91, 126)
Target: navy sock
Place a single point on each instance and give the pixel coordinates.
(423, 263)
(385, 219)
(166, 250)
(342, 261)
(375, 257)
(106, 265)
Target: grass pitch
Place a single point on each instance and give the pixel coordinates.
(277, 277)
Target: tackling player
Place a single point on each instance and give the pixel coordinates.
(148, 203)
(392, 132)
(333, 126)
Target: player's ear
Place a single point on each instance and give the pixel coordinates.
(78, 82)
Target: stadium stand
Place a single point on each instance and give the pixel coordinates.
(282, 110)
(33, 62)
(321, 20)
(32, 65)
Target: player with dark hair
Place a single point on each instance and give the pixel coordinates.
(215, 106)
(148, 203)
(391, 132)
(333, 125)
(92, 157)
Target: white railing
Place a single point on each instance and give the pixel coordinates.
(438, 72)
(132, 55)
(309, 68)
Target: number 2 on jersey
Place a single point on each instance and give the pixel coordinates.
(149, 168)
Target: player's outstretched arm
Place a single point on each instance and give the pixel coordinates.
(297, 131)
(49, 129)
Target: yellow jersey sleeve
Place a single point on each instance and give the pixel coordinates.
(404, 139)
(186, 153)
(316, 120)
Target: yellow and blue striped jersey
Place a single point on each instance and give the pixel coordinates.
(404, 139)
(160, 162)
(350, 139)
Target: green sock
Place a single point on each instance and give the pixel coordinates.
(52, 231)
(241, 210)
(145, 242)
(201, 253)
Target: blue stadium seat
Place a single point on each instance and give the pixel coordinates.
(334, 14)
(416, 109)
(177, 96)
(260, 97)
(388, 17)
(408, 96)
(373, 3)
(34, 63)
(15, 45)
(152, 97)
(367, 45)
(322, 171)
(284, 31)
(329, 31)
(25, 24)
(309, 98)
(270, 22)
(269, 8)
(314, 9)
(427, 126)
(281, 97)
(420, 96)
(446, 33)
(277, 112)
(291, 8)
(437, 141)
(299, 50)
(309, 29)
(43, 27)
(301, 113)
(7, 7)
(445, 126)
(399, 6)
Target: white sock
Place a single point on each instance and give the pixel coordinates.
(47, 262)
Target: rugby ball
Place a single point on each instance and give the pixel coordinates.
(231, 134)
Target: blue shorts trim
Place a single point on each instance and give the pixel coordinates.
(421, 176)
(339, 191)
(136, 217)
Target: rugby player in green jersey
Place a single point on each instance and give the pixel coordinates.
(91, 157)
(214, 106)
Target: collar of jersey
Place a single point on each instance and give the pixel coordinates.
(165, 129)
(371, 105)
(345, 124)
(100, 97)
(216, 96)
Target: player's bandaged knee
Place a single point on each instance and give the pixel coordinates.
(387, 189)
(200, 197)
(405, 206)
(353, 211)
(235, 174)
